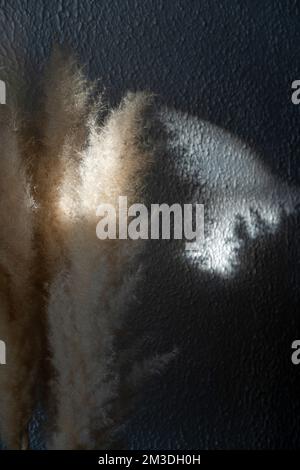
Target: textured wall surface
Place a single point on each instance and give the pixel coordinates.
(230, 63)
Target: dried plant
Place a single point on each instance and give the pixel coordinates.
(64, 292)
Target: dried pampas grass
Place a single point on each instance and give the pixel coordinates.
(83, 155)
(94, 285)
(19, 321)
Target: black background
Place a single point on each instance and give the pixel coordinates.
(231, 62)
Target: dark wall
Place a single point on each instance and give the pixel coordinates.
(230, 62)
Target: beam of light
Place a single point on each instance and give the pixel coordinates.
(232, 183)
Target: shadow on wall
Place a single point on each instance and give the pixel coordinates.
(230, 310)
